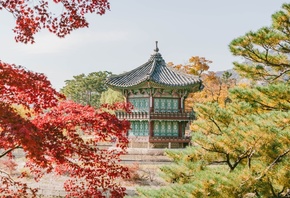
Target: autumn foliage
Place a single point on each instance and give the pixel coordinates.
(196, 65)
(32, 16)
(215, 88)
(58, 136)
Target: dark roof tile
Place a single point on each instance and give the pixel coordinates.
(154, 70)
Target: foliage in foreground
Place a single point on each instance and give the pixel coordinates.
(31, 17)
(50, 131)
(242, 149)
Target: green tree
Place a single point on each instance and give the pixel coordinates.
(110, 97)
(86, 89)
(266, 51)
(242, 149)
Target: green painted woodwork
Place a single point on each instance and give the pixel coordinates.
(140, 104)
(139, 128)
(165, 128)
(165, 104)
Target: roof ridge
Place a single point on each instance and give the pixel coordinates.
(151, 71)
(155, 70)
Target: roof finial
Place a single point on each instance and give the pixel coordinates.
(156, 49)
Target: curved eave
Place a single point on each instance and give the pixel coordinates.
(163, 76)
(133, 77)
(153, 71)
(196, 86)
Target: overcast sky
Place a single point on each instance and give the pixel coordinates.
(124, 38)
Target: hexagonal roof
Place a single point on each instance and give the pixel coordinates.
(154, 70)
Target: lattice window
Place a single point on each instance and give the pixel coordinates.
(166, 104)
(140, 104)
(165, 128)
(139, 128)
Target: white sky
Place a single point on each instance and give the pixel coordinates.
(124, 38)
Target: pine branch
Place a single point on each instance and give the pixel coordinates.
(277, 160)
(281, 74)
(211, 119)
(286, 50)
(267, 107)
(215, 150)
(246, 154)
(218, 162)
(272, 188)
(279, 193)
(229, 162)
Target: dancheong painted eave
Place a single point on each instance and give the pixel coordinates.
(155, 71)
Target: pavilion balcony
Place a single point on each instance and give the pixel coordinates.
(133, 115)
(157, 115)
(169, 139)
(172, 116)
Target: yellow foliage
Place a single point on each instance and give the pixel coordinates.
(196, 65)
(194, 127)
(215, 90)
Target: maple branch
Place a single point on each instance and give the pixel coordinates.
(7, 175)
(9, 150)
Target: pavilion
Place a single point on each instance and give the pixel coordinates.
(157, 93)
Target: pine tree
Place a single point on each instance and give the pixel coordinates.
(242, 149)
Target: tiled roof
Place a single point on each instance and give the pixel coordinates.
(154, 70)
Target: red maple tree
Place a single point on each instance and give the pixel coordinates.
(32, 16)
(56, 135)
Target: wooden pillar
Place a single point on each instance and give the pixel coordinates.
(182, 104)
(180, 129)
(179, 105)
(125, 94)
(151, 101)
(151, 128)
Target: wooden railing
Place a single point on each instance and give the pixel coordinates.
(133, 115)
(170, 139)
(156, 115)
(172, 115)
